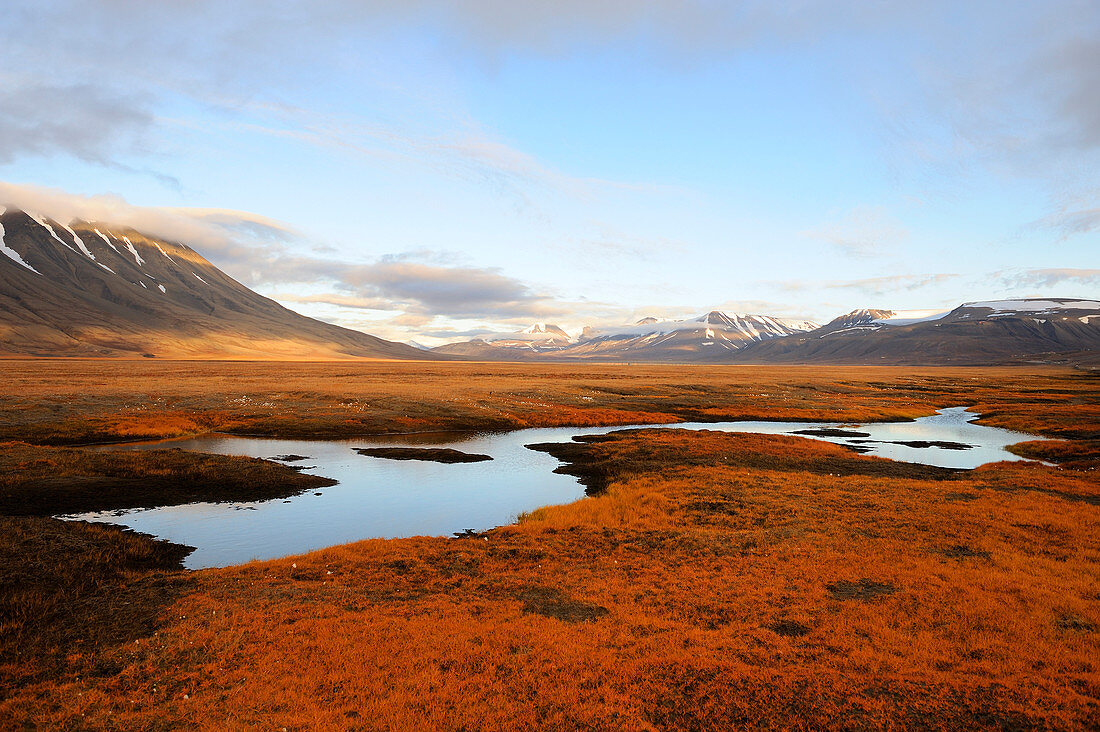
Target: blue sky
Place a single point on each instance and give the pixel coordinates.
(429, 170)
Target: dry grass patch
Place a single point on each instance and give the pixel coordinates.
(71, 402)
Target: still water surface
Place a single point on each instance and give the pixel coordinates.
(377, 497)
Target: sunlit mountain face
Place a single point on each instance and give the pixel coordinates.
(92, 289)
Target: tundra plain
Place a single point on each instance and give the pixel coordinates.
(714, 580)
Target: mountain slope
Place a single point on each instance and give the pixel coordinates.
(86, 289)
(698, 339)
(977, 333)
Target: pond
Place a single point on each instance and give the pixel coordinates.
(383, 498)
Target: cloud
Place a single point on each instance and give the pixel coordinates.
(765, 307)
(1008, 90)
(607, 241)
(354, 302)
(1011, 86)
(87, 121)
(261, 251)
(1069, 222)
(206, 31)
(1068, 75)
(412, 320)
(457, 148)
(874, 285)
(1048, 278)
(413, 287)
(459, 291)
(218, 232)
(452, 334)
(864, 231)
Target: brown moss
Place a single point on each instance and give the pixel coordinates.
(1072, 454)
(431, 454)
(74, 587)
(43, 481)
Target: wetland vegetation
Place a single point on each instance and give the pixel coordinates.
(717, 580)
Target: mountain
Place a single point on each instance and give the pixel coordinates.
(524, 345)
(699, 339)
(88, 289)
(975, 333)
(539, 337)
(1060, 330)
(702, 338)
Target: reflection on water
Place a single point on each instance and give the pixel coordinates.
(390, 498)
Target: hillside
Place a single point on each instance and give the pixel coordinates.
(87, 289)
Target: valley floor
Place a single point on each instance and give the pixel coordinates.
(720, 579)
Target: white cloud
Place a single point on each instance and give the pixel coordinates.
(865, 231)
(1046, 278)
(219, 231)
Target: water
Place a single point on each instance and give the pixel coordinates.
(384, 498)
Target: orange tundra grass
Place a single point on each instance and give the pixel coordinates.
(722, 580)
(81, 401)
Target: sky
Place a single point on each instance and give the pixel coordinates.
(433, 171)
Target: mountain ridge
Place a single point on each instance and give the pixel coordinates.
(979, 332)
(101, 290)
(1055, 329)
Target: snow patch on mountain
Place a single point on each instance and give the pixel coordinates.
(77, 240)
(106, 240)
(163, 252)
(908, 317)
(137, 257)
(46, 225)
(11, 253)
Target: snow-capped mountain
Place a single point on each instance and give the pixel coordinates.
(649, 339)
(872, 319)
(519, 346)
(94, 289)
(540, 336)
(983, 332)
(697, 338)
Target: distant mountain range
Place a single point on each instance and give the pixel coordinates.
(1003, 331)
(89, 289)
(990, 332)
(697, 339)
